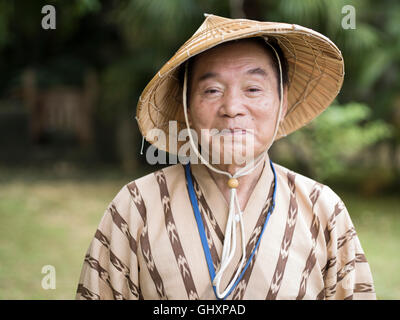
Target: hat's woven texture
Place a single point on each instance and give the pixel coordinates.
(315, 68)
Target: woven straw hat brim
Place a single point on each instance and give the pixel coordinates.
(315, 69)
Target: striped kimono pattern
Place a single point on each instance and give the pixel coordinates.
(147, 245)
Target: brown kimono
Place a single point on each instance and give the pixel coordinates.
(147, 245)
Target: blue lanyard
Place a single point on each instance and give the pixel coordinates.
(202, 233)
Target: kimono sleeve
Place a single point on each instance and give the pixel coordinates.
(347, 274)
(110, 268)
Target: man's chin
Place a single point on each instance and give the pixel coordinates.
(237, 155)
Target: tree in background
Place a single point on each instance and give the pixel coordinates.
(127, 41)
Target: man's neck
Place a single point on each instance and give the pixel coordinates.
(247, 182)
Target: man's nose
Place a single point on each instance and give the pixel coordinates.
(232, 104)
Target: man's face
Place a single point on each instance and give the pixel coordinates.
(234, 87)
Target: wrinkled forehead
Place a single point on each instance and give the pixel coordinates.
(251, 49)
(241, 55)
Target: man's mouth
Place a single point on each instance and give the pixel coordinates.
(233, 131)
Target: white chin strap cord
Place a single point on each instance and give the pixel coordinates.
(229, 246)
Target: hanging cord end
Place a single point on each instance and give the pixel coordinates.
(143, 137)
(141, 149)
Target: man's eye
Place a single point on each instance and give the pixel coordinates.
(211, 91)
(253, 89)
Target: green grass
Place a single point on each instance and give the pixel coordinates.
(377, 222)
(47, 221)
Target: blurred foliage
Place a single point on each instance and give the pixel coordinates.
(127, 41)
(329, 143)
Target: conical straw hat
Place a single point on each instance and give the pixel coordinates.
(315, 69)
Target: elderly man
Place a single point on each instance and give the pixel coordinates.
(232, 230)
